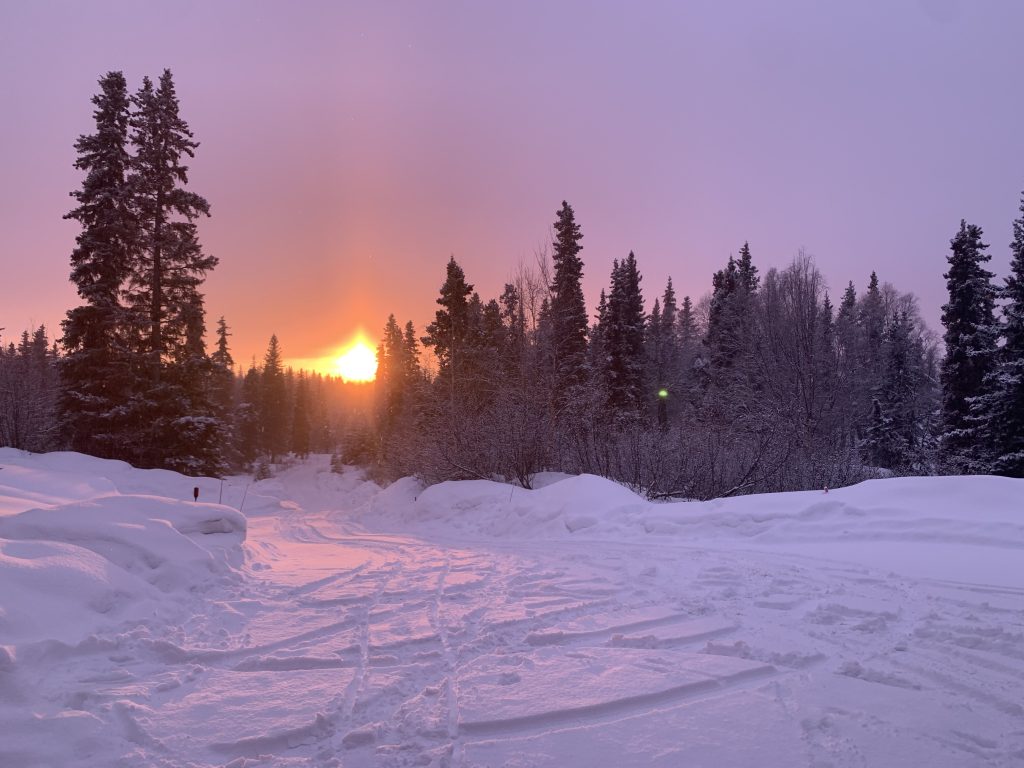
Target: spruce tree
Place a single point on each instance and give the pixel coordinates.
(688, 340)
(96, 372)
(179, 427)
(193, 438)
(853, 411)
(567, 311)
(747, 271)
(411, 355)
(449, 333)
(971, 346)
(171, 264)
(729, 341)
(623, 338)
(223, 367)
(273, 403)
(872, 324)
(247, 417)
(390, 382)
(846, 330)
(894, 435)
(513, 316)
(596, 350)
(999, 410)
(664, 377)
(300, 419)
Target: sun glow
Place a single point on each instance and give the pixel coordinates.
(358, 362)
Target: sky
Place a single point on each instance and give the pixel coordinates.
(348, 149)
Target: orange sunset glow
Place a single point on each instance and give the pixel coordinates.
(357, 362)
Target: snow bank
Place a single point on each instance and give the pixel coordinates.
(76, 554)
(958, 528)
(485, 508)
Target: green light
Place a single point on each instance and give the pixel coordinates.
(662, 393)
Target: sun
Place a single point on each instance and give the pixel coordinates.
(358, 362)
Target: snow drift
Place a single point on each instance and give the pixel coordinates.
(90, 555)
(974, 524)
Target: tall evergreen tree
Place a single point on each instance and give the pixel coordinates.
(273, 403)
(596, 349)
(179, 428)
(247, 416)
(729, 341)
(390, 383)
(688, 338)
(971, 343)
(747, 271)
(411, 355)
(894, 435)
(567, 311)
(846, 330)
(193, 437)
(96, 375)
(623, 338)
(223, 366)
(999, 411)
(171, 263)
(300, 419)
(513, 316)
(448, 335)
(872, 326)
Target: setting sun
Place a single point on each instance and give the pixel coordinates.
(357, 363)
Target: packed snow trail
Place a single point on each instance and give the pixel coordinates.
(394, 628)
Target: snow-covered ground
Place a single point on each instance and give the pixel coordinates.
(336, 624)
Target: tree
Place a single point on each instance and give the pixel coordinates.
(171, 264)
(664, 377)
(513, 317)
(28, 393)
(300, 419)
(223, 367)
(189, 432)
(177, 426)
(448, 334)
(623, 338)
(273, 403)
(894, 435)
(96, 372)
(729, 371)
(390, 384)
(247, 416)
(999, 410)
(567, 311)
(748, 278)
(871, 317)
(971, 343)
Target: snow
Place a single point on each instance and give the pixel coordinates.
(334, 623)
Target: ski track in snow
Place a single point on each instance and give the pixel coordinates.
(343, 647)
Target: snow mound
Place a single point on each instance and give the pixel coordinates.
(957, 528)
(76, 555)
(159, 540)
(486, 508)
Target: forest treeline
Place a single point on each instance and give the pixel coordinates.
(766, 383)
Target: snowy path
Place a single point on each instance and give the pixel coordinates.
(348, 648)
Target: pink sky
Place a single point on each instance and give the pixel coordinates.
(348, 149)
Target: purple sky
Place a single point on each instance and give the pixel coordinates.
(348, 149)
